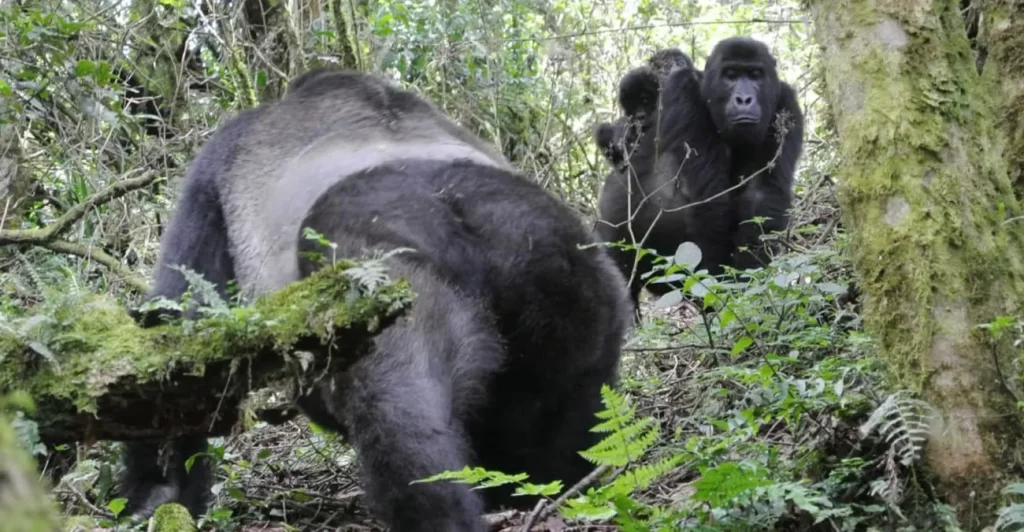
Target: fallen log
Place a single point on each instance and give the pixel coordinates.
(94, 374)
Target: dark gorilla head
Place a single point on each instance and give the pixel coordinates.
(663, 61)
(741, 88)
(639, 88)
(638, 93)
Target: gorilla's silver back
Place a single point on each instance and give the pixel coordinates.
(295, 149)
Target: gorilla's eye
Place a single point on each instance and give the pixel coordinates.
(729, 73)
(756, 73)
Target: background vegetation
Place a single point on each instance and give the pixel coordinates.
(772, 413)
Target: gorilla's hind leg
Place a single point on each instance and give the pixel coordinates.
(397, 406)
(148, 484)
(196, 239)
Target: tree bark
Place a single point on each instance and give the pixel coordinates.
(1001, 45)
(15, 181)
(926, 194)
(95, 375)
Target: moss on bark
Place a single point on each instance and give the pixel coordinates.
(171, 518)
(1002, 40)
(925, 190)
(94, 374)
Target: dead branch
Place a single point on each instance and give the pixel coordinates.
(48, 237)
(45, 234)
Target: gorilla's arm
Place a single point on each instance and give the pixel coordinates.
(196, 239)
(687, 143)
(607, 137)
(771, 195)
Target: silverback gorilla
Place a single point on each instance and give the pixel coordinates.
(686, 139)
(513, 331)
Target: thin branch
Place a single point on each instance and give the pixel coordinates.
(41, 236)
(98, 255)
(541, 511)
(657, 26)
(47, 237)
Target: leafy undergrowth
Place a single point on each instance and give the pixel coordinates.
(765, 412)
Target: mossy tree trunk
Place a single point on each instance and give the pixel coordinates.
(24, 504)
(926, 195)
(15, 181)
(1001, 46)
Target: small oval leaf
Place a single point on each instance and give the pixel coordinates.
(831, 288)
(670, 299)
(688, 255)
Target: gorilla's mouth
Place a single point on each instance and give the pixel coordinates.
(745, 119)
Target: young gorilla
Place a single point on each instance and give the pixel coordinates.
(638, 97)
(715, 129)
(672, 162)
(513, 330)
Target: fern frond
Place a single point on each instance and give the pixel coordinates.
(370, 274)
(903, 423)
(642, 477)
(203, 291)
(1011, 518)
(630, 438)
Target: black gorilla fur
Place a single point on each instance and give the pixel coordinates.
(691, 149)
(513, 331)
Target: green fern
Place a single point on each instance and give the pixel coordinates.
(641, 477)
(370, 274)
(204, 292)
(903, 423)
(630, 438)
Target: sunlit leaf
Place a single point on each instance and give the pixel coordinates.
(669, 300)
(741, 344)
(688, 254)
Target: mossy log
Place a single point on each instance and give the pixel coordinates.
(96, 375)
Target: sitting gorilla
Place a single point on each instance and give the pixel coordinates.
(752, 109)
(689, 158)
(513, 331)
(672, 162)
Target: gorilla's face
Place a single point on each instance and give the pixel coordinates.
(741, 88)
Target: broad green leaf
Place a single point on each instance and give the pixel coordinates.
(116, 506)
(741, 344)
(84, 68)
